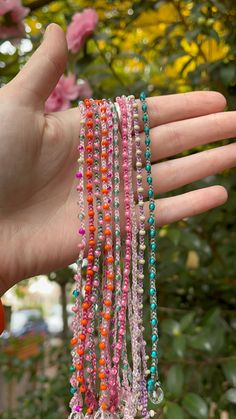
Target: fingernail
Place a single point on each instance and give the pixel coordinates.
(48, 28)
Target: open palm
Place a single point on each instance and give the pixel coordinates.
(38, 153)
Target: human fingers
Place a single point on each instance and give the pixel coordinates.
(173, 138)
(170, 108)
(173, 174)
(170, 210)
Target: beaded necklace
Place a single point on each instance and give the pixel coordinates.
(154, 390)
(109, 360)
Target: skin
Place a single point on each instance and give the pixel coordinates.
(38, 153)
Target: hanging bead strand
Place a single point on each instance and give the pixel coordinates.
(154, 388)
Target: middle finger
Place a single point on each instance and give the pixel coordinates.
(173, 138)
(173, 174)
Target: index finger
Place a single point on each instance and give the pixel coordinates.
(176, 107)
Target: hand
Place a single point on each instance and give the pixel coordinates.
(38, 153)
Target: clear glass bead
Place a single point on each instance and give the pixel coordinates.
(106, 415)
(156, 395)
(75, 415)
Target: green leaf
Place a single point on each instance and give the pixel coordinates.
(186, 321)
(171, 327)
(195, 406)
(209, 340)
(229, 368)
(228, 74)
(175, 380)
(174, 235)
(173, 411)
(230, 395)
(179, 345)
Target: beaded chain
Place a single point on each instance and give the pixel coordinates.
(154, 390)
(110, 377)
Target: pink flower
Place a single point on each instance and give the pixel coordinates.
(69, 87)
(82, 26)
(66, 90)
(85, 90)
(12, 25)
(16, 31)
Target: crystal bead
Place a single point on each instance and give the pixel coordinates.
(156, 395)
(75, 415)
(106, 415)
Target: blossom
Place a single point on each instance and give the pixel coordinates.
(81, 27)
(67, 89)
(12, 12)
(85, 90)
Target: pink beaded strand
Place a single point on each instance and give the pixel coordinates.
(77, 401)
(127, 256)
(107, 170)
(141, 255)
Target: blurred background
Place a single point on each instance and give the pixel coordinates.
(122, 47)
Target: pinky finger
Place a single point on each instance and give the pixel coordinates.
(169, 210)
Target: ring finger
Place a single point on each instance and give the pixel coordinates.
(173, 174)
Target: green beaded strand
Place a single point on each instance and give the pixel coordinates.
(154, 386)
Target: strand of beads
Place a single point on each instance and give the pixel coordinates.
(134, 320)
(154, 389)
(107, 171)
(95, 259)
(117, 244)
(76, 401)
(86, 386)
(127, 255)
(142, 392)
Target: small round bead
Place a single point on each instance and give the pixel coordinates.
(152, 291)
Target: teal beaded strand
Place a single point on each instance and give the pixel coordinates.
(155, 392)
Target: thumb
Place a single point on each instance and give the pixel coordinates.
(39, 76)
